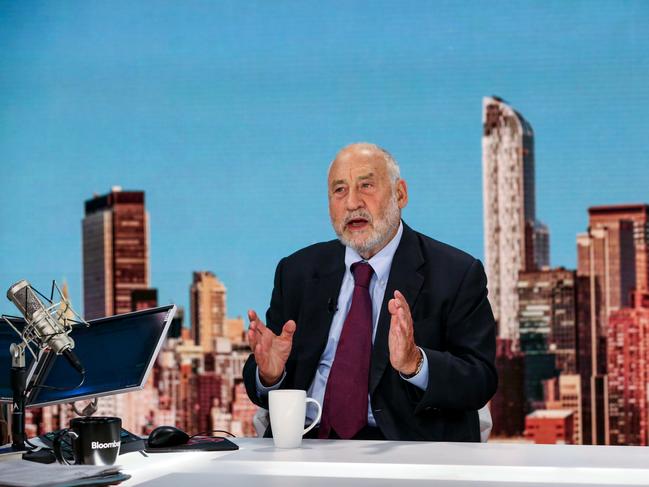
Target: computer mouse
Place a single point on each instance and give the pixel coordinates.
(166, 436)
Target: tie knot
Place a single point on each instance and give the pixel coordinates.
(362, 272)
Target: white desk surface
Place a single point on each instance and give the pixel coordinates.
(385, 463)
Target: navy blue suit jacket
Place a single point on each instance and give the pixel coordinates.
(453, 323)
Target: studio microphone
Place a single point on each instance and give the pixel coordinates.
(43, 328)
(332, 305)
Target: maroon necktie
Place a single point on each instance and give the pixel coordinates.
(345, 401)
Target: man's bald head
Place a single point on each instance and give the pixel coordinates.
(360, 149)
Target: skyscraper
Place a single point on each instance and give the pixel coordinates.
(190, 362)
(510, 226)
(628, 376)
(115, 252)
(547, 312)
(547, 302)
(235, 330)
(606, 261)
(541, 245)
(606, 253)
(207, 302)
(508, 404)
(638, 215)
(614, 256)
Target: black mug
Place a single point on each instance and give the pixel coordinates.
(95, 441)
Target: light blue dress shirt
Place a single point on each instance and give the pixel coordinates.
(381, 263)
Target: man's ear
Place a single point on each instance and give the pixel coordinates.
(402, 193)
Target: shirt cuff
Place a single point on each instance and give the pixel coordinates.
(421, 379)
(263, 390)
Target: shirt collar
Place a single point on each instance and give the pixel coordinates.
(382, 261)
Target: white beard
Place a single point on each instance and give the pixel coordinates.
(382, 229)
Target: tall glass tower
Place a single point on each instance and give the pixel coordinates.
(510, 226)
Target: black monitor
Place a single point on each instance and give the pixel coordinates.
(117, 352)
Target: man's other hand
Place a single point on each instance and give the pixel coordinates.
(271, 351)
(404, 354)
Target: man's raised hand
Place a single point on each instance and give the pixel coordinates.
(271, 351)
(404, 354)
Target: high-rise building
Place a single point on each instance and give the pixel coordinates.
(541, 245)
(510, 226)
(547, 316)
(628, 376)
(508, 404)
(115, 266)
(548, 331)
(591, 366)
(207, 301)
(206, 394)
(638, 215)
(176, 327)
(564, 392)
(606, 263)
(166, 374)
(189, 358)
(606, 253)
(115, 252)
(234, 329)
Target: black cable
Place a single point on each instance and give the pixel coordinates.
(210, 432)
(60, 389)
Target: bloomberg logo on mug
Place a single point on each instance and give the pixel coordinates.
(95, 445)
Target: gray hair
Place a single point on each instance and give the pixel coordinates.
(391, 164)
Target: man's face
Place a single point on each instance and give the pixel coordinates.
(364, 203)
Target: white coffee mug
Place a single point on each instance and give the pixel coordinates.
(287, 409)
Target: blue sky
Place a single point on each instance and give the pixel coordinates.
(227, 114)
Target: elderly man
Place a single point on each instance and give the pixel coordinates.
(388, 329)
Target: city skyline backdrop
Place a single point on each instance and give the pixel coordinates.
(227, 116)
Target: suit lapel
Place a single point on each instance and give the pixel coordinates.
(404, 276)
(320, 297)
